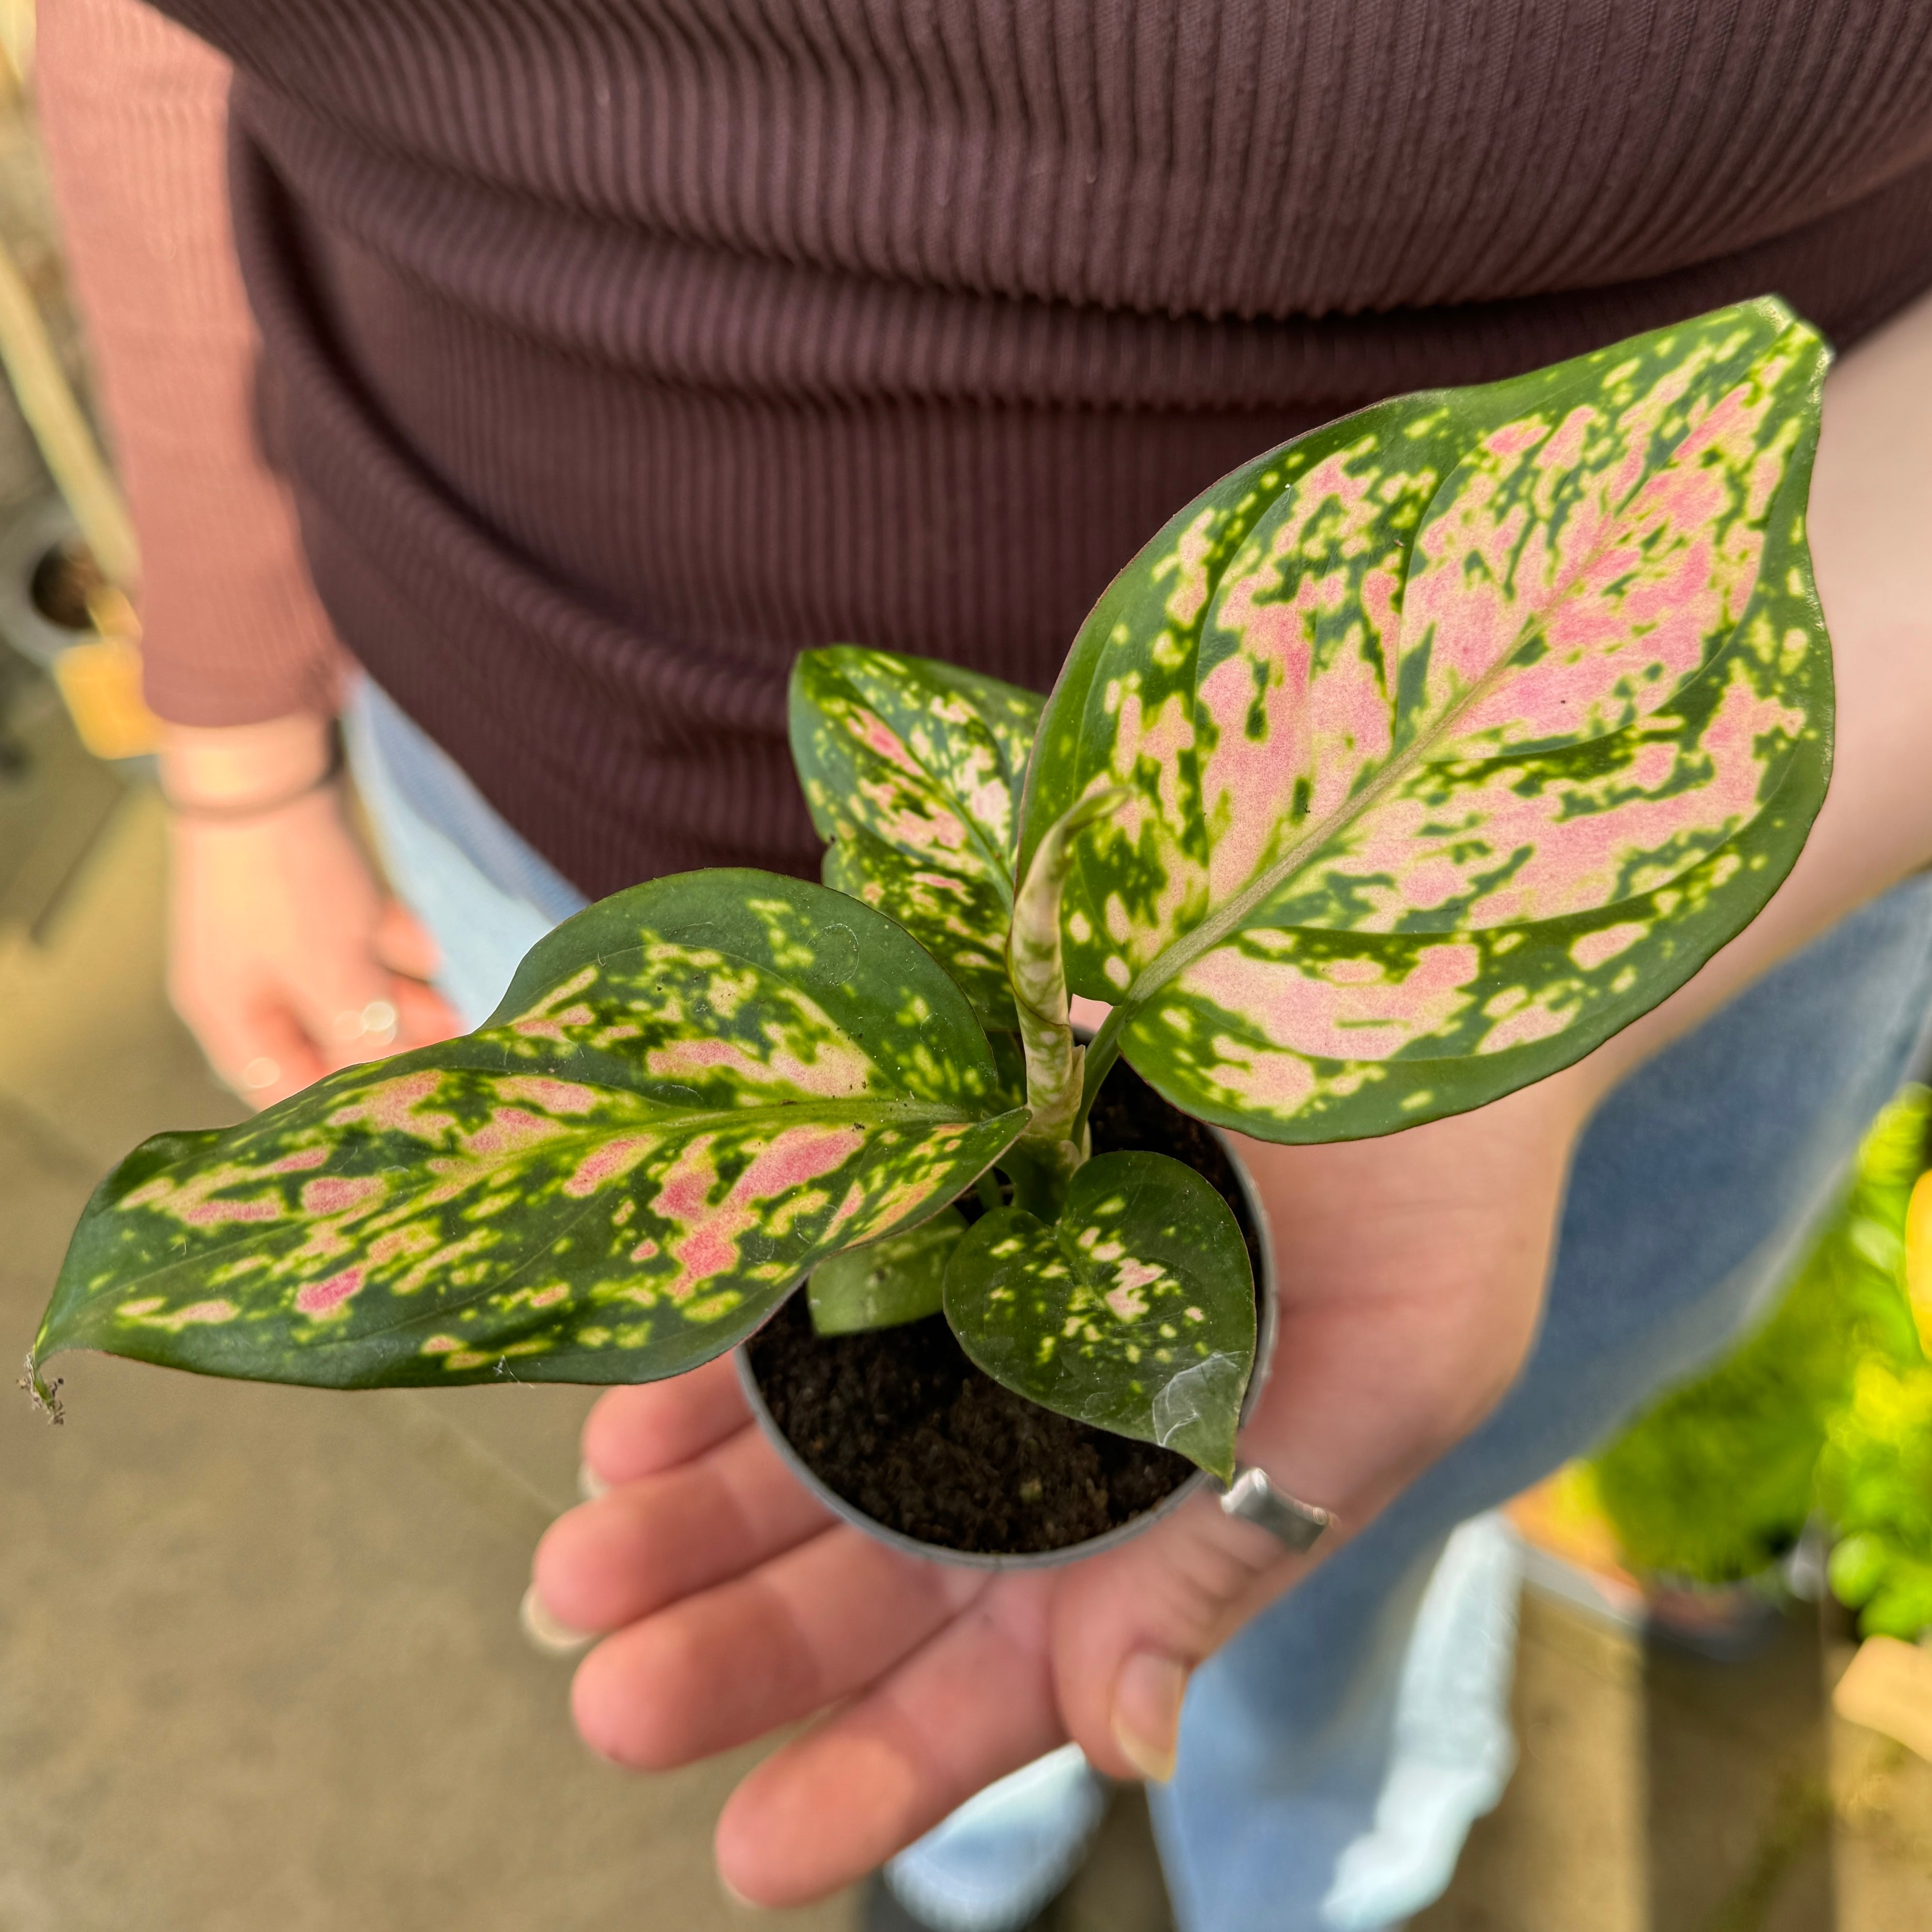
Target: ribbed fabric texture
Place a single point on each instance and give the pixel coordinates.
(619, 348)
(133, 110)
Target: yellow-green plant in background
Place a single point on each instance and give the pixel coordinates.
(1875, 1482)
(1828, 1407)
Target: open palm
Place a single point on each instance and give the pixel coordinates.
(1412, 1273)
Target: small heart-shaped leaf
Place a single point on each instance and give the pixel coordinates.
(1135, 1312)
(890, 1282)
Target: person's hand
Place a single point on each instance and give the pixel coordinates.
(286, 957)
(1412, 1275)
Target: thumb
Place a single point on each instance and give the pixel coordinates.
(1128, 1629)
(1148, 1691)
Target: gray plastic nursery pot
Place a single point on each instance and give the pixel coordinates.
(1267, 1322)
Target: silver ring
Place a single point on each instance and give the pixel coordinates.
(1296, 1525)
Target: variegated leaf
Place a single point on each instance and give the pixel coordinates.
(887, 1282)
(1463, 731)
(912, 769)
(691, 1093)
(1135, 1312)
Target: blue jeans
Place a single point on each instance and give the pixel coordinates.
(1693, 1190)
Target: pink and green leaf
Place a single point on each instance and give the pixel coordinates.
(1135, 1312)
(913, 771)
(1461, 731)
(961, 921)
(692, 1093)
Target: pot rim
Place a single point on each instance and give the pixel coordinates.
(1268, 1321)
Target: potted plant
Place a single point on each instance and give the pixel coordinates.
(1403, 767)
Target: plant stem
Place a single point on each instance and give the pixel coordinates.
(992, 1197)
(1036, 970)
(1038, 1188)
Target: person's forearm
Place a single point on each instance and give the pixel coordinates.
(1870, 528)
(134, 111)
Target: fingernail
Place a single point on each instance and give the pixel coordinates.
(589, 1484)
(547, 1633)
(1146, 1713)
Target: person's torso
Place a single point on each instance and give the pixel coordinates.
(1204, 158)
(722, 327)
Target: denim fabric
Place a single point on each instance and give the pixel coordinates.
(485, 896)
(1006, 1851)
(1452, 1750)
(439, 796)
(1313, 1786)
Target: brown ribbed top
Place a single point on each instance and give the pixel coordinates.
(617, 349)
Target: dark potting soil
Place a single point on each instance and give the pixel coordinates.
(902, 1425)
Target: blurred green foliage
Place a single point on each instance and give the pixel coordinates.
(1827, 1407)
(1875, 1484)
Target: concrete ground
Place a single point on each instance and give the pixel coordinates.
(1657, 1791)
(259, 1660)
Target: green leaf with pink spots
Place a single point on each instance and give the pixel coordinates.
(692, 1093)
(912, 770)
(1461, 730)
(1135, 1312)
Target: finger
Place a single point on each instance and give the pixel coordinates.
(1129, 1628)
(403, 943)
(422, 1014)
(972, 1705)
(257, 1050)
(651, 1543)
(358, 1023)
(1332, 1427)
(638, 1430)
(346, 1005)
(816, 1624)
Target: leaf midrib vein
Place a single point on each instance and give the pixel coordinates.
(1218, 926)
(911, 1112)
